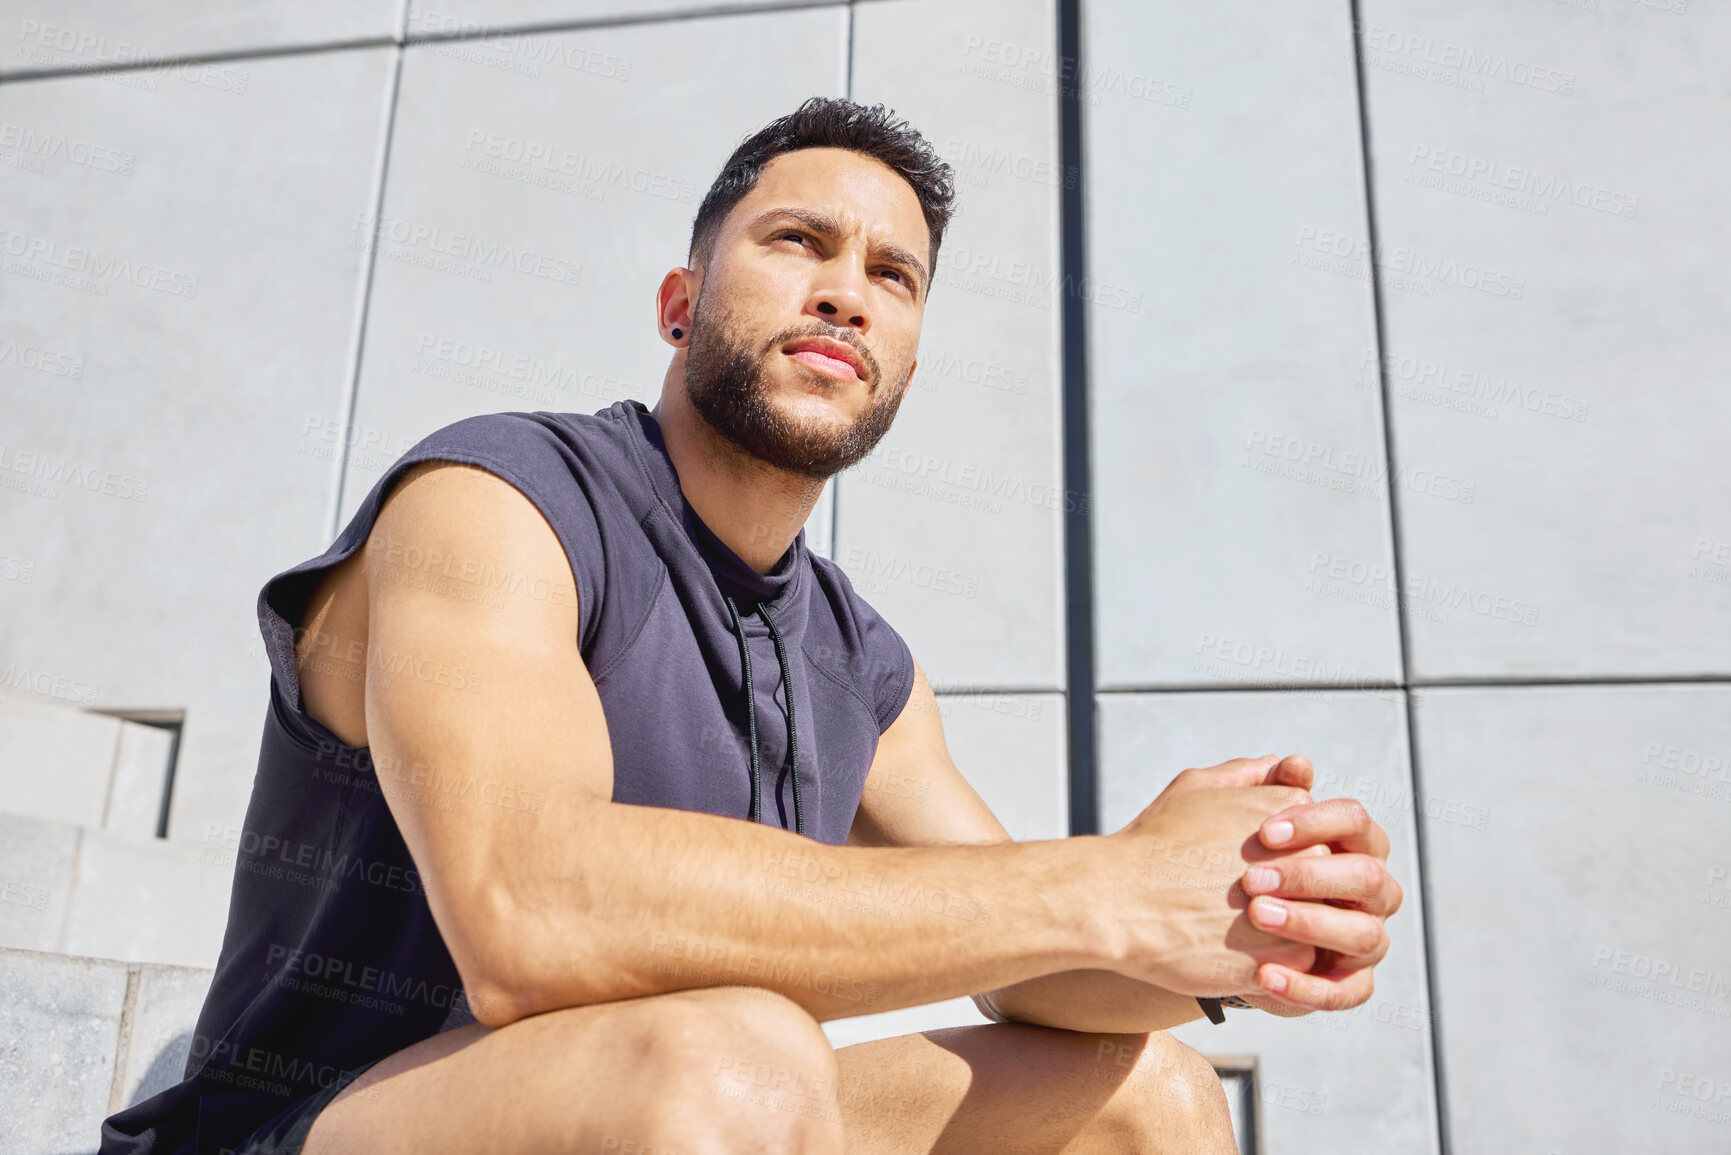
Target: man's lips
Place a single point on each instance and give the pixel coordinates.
(831, 358)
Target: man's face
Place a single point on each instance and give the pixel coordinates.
(829, 245)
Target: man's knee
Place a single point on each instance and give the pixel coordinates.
(1174, 1089)
(718, 1021)
(754, 1061)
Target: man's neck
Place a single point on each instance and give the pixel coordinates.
(754, 508)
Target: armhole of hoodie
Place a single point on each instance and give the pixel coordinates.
(899, 688)
(282, 600)
(883, 669)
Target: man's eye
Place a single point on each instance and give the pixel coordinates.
(893, 273)
(796, 236)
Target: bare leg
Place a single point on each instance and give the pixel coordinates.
(1014, 1089)
(741, 1069)
(696, 1072)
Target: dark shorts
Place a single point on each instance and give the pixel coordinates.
(284, 1134)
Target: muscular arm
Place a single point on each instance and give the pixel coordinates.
(548, 894)
(492, 753)
(915, 796)
(1331, 879)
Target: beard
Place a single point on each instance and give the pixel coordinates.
(725, 380)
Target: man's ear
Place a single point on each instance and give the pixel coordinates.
(673, 301)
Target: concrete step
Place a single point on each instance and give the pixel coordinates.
(82, 769)
(75, 890)
(81, 1038)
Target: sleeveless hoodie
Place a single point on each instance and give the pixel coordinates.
(752, 696)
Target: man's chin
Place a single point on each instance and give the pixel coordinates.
(811, 399)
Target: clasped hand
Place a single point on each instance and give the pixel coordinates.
(1305, 887)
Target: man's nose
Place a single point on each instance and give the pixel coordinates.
(838, 295)
(831, 309)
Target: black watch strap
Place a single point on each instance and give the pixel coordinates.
(1212, 1007)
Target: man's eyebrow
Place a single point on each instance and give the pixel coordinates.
(825, 225)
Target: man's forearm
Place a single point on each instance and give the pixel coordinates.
(618, 901)
(1100, 1001)
(1107, 1002)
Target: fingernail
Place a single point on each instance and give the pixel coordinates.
(1276, 833)
(1272, 912)
(1262, 878)
(1275, 982)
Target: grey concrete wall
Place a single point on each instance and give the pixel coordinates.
(1416, 461)
(1407, 342)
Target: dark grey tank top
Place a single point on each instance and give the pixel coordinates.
(331, 958)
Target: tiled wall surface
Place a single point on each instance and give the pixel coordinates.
(1408, 337)
(1213, 348)
(1430, 389)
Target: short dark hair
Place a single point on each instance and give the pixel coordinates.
(831, 122)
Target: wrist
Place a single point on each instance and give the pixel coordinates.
(1274, 1006)
(1087, 899)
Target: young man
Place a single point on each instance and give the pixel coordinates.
(581, 800)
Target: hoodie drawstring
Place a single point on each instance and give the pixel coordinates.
(751, 710)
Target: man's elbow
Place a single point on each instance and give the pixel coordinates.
(988, 1007)
(483, 933)
(492, 1006)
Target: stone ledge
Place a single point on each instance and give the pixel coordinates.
(81, 1038)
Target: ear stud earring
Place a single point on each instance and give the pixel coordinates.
(676, 334)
